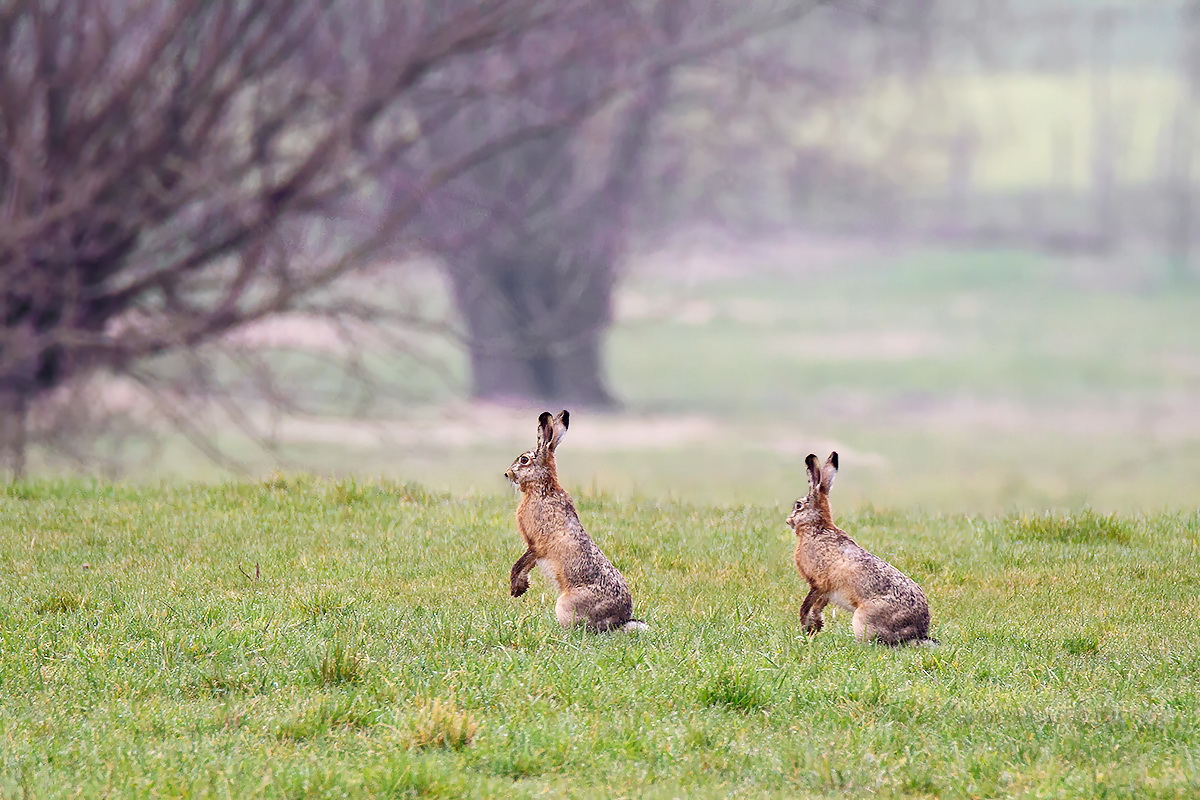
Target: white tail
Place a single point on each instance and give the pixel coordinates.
(635, 625)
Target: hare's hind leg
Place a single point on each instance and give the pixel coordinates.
(870, 621)
(571, 609)
(885, 622)
(610, 612)
(597, 611)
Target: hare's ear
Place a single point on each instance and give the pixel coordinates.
(559, 426)
(545, 433)
(814, 472)
(829, 472)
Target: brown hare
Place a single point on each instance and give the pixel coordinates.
(593, 592)
(888, 606)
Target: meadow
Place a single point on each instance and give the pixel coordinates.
(1017, 432)
(307, 637)
(1020, 433)
(953, 381)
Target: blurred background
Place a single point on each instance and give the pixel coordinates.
(955, 241)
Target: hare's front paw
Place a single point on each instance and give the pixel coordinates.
(813, 625)
(518, 587)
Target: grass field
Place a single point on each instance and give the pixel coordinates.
(1019, 433)
(314, 638)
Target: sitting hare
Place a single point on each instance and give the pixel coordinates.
(888, 605)
(593, 591)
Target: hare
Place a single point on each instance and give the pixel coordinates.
(888, 606)
(593, 592)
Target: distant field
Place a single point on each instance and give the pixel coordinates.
(960, 380)
(953, 381)
(321, 639)
(1027, 130)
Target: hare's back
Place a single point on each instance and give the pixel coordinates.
(590, 567)
(877, 577)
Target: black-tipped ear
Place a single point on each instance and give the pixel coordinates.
(829, 472)
(545, 432)
(558, 428)
(814, 471)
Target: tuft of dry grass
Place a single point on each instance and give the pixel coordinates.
(59, 602)
(441, 723)
(340, 665)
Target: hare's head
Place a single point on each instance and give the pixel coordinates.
(813, 509)
(537, 465)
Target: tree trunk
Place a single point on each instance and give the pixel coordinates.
(501, 372)
(536, 330)
(579, 373)
(536, 293)
(14, 431)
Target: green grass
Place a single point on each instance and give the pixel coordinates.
(302, 637)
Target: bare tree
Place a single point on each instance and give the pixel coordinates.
(169, 169)
(173, 170)
(533, 241)
(534, 274)
(533, 280)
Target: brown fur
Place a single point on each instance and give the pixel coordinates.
(888, 606)
(592, 591)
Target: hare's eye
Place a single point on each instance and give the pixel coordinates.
(523, 460)
(799, 505)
